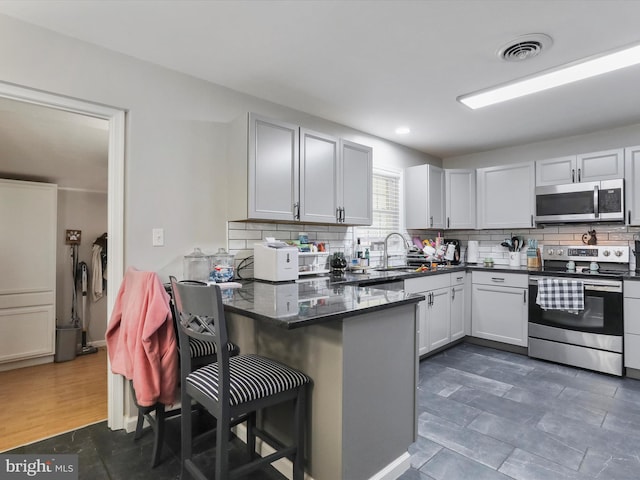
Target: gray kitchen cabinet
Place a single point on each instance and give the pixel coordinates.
(460, 198)
(263, 169)
(631, 305)
(279, 171)
(585, 167)
(442, 314)
(319, 176)
(355, 187)
(632, 184)
(459, 310)
(506, 196)
(424, 197)
(500, 307)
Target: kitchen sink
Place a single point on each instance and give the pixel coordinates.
(396, 268)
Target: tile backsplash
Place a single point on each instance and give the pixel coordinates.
(490, 240)
(243, 235)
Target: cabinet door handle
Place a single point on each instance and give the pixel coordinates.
(573, 175)
(524, 295)
(453, 294)
(338, 215)
(448, 222)
(497, 279)
(579, 174)
(532, 220)
(629, 216)
(459, 279)
(296, 211)
(343, 214)
(431, 221)
(431, 298)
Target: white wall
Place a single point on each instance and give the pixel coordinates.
(176, 136)
(592, 142)
(85, 211)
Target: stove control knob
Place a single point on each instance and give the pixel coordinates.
(618, 253)
(550, 251)
(560, 252)
(606, 253)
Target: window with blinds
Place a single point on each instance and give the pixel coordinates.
(386, 212)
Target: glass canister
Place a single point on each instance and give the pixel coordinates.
(222, 266)
(196, 266)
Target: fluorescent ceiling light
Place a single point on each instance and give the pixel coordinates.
(572, 72)
(403, 130)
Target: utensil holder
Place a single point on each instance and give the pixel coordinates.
(514, 259)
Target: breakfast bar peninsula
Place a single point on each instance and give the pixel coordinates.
(358, 344)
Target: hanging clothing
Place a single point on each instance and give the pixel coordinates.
(99, 267)
(141, 338)
(97, 285)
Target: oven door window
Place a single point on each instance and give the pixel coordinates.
(602, 313)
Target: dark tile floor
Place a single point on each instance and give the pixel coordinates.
(114, 455)
(483, 414)
(489, 414)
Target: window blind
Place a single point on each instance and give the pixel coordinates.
(386, 208)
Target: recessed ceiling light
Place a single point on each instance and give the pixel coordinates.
(403, 130)
(572, 72)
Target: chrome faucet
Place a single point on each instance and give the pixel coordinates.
(386, 247)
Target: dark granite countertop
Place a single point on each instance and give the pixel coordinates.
(299, 304)
(325, 298)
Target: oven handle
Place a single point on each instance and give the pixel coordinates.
(592, 285)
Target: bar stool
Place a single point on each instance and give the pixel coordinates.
(234, 388)
(201, 353)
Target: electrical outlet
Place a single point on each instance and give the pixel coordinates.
(158, 237)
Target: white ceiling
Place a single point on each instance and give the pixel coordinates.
(374, 64)
(46, 145)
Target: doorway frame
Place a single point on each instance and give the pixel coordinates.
(115, 206)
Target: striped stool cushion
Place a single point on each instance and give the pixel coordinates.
(251, 377)
(202, 348)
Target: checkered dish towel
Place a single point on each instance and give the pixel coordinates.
(560, 294)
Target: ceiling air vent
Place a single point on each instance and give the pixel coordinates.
(525, 47)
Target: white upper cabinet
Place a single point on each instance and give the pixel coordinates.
(424, 197)
(587, 167)
(460, 198)
(318, 177)
(506, 196)
(279, 171)
(556, 171)
(355, 187)
(632, 184)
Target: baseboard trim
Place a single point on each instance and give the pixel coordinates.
(497, 345)
(394, 469)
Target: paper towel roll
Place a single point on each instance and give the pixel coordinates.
(472, 251)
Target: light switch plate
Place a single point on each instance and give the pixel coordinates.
(158, 237)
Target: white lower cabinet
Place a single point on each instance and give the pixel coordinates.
(458, 305)
(442, 313)
(631, 305)
(500, 307)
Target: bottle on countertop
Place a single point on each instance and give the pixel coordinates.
(366, 257)
(359, 253)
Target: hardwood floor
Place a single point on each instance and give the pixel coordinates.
(45, 400)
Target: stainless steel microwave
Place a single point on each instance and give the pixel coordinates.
(581, 202)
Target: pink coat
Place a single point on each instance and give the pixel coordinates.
(141, 339)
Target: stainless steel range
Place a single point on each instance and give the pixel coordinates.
(589, 337)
